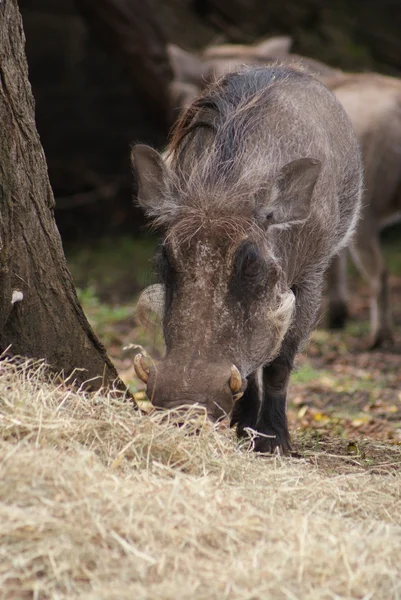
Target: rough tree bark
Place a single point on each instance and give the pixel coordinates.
(40, 315)
(129, 30)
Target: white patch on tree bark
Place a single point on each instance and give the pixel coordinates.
(17, 296)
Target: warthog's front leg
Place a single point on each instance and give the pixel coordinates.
(272, 418)
(266, 417)
(246, 410)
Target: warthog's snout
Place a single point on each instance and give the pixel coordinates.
(212, 387)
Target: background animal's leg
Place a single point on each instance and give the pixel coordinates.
(246, 410)
(368, 257)
(337, 291)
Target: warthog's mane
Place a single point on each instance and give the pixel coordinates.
(230, 106)
(216, 170)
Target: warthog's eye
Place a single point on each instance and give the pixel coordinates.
(249, 266)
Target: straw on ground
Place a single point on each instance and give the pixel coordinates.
(98, 501)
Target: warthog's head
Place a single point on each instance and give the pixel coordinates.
(224, 300)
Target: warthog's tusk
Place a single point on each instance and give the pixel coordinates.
(235, 382)
(141, 369)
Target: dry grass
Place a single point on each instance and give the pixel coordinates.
(97, 502)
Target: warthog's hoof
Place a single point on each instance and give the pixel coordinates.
(337, 315)
(268, 443)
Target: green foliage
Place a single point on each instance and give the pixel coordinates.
(114, 269)
(307, 374)
(104, 317)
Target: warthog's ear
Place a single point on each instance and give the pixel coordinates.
(187, 67)
(274, 47)
(292, 191)
(152, 174)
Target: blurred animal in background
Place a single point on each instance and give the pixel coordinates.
(192, 72)
(373, 103)
(261, 189)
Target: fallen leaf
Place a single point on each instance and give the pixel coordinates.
(302, 411)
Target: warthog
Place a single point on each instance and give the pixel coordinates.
(261, 189)
(373, 103)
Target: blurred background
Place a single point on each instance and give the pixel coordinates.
(102, 73)
(99, 70)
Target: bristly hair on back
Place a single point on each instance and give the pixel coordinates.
(227, 98)
(225, 151)
(216, 170)
(205, 108)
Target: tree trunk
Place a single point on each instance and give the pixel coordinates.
(40, 315)
(129, 30)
